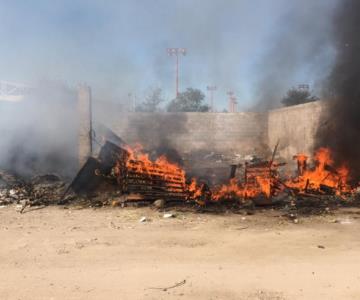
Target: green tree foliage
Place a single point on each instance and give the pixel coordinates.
(151, 102)
(189, 101)
(298, 96)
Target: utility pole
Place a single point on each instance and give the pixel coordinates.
(132, 102)
(176, 52)
(211, 89)
(232, 102)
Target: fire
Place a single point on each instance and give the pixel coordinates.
(161, 172)
(322, 175)
(138, 161)
(322, 178)
(236, 190)
(229, 191)
(261, 178)
(265, 186)
(195, 189)
(301, 162)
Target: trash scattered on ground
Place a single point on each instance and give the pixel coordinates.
(168, 215)
(160, 203)
(143, 219)
(38, 191)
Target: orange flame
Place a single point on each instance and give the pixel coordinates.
(322, 174)
(139, 161)
(236, 190)
(194, 188)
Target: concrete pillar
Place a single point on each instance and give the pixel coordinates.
(85, 124)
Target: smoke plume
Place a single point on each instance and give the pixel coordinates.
(39, 134)
(341, 126)
(298, 52)
(157, 133)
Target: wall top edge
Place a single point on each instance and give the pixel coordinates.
(318, 103)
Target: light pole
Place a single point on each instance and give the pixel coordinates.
(132, 102)
(176, 52)
(232, 102)
(211, 89)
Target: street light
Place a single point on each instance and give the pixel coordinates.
(176, 52)
(232, 102)
(211, 89)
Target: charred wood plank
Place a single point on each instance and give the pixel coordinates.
(232, 171)
(110, 154)
(327, 189)
(86, 181)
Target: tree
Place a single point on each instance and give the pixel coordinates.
(298, 96)
(151, 102)
(189, 101)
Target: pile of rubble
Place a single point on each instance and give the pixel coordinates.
(40, 190)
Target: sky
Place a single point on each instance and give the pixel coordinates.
(256, 48)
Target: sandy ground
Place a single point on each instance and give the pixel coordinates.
(57, 253)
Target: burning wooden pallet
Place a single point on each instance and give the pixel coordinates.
(258, 177)
(131, 175)
(150, 180)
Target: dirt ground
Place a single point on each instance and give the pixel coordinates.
(58, 253)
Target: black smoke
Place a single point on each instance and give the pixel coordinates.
(157, 133)
(340, 128)
(298, 51)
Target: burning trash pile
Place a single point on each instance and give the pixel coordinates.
(129, 172)
(263, 184)
(123, 174)
(323, 178)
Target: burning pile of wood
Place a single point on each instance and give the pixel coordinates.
(131, 173)
(135, 173)
(262, 180)
(127, 173)
(322, 178)
(259, 181)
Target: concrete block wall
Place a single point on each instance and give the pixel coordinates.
(295, 127)
(243, 133)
